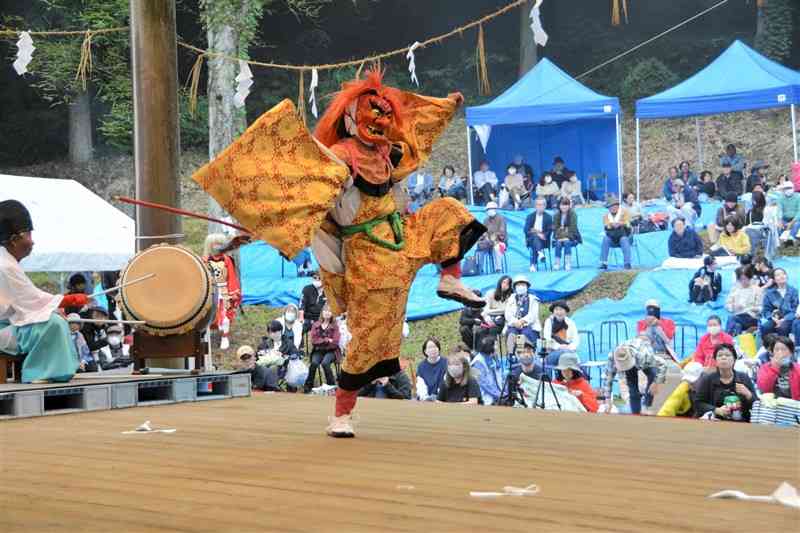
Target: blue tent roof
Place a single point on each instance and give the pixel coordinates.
(546, 94)
(738, 80)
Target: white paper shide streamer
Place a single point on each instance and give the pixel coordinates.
(312, 90)
(539, 35)
(25, 50)
(412, 64)
(483, 131)
(243, 83)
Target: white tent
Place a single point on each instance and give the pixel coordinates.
(74, 229)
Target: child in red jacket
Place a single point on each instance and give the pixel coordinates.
(780, 376)
(570, 376)
(704, 353)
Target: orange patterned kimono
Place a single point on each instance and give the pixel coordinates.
(291, 190)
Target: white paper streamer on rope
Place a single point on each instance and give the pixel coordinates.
(539, 35)
(412, 65)
(244, 82)
(312, 89)
(483, 131)
(25, 50)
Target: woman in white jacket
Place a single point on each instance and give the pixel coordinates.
(522, 314)
(743, 303)
(560, 334)
(291, 324)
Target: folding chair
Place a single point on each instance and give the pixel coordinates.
(680, 331)
(610, 330)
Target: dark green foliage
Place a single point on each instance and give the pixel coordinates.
(775, 41)
(647, 77)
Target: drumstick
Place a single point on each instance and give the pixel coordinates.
(177, 211)
(118, 287)
(106, 321)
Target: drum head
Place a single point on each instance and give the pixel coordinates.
(175, 297)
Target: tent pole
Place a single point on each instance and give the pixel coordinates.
(638, 170)
(699, 143)
(794, 132)
(620, 181)
(469, 168)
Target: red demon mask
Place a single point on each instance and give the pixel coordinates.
(373, 119)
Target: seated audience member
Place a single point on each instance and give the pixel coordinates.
(538, 230)
(617, 234)
(451, 185)
(730, 182)
(633, 208)
(324, 348)
(277, 340)
(458, 385)
(754, 226)
(706, 188)
(85, 360)
(763, 274)
(571, 190)
(686, 175)
(395, 387)
(494, 312)
(262, 376)
(312, 301)
(515, 187)
(773, 223)
(95, 333)
(714, 336)
(420, 186)
(523, 169)
(525, 352)
(431, 370)
(729, 209)
(494, 240)
(490, 370)
(732, 241)
(789, 203)
(485, 182)
(732, 159)
(681, 401)
(743, 303)
(522, 313)
(781, 376)
(706, 283)
(684, 202)
(669, 184)
(548, 190)
(779, 308)
(75, 285)
(116, 354)
(471, 325)
(565, 234)
(559, 334)
(560, 172)
(292, 325)
(684, 242)
(630, 358)
(758, 176)
(727, 394)
(659, 331)
(570, 376)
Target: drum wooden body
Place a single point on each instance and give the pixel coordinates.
(178, 300)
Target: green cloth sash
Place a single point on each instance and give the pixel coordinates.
(394, 220)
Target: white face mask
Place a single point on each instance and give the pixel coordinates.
(512, 171)
(714, 330)
(788, 193)
(548, 180)
(521, 289)
(491, 212)
(114, 340)
(455, 371)
(317, 283)
(291, 316)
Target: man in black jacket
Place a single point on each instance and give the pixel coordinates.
(312, 302)
(396, 387)
(729, 181)
(706, 284)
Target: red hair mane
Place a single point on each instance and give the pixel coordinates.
(328, 131)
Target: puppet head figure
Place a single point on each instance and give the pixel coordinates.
(214, 243)
(365, 109)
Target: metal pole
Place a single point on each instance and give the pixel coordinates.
(620, 181)
(794, 132)
(469, 168)
(154, 66)
(638, 168)
(699, 135)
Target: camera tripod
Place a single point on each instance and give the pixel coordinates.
(544, 378)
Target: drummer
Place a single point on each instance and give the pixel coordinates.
(30, 321)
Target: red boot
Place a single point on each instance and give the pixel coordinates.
(341, 425)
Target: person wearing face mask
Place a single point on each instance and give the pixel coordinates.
(522, 313)
(459, 386)
(538, 230)
(431, 370)
(548, 190)
(276, 341)
(325, 348)
(725, 393)
(778, 312)
(571, 190)
(490, 370)
(706, 283)
(743, 303)
(515, 186)
(704, 353)
(292, 325)
(312, 301)
(789, 203)
(494, 240)
(781, 376)
(116, 354)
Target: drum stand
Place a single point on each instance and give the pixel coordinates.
(184, 346)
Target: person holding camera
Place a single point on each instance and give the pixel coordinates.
(526, 357)
(779, 309)
(706, 283)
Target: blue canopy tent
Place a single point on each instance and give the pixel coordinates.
(740, 79)
(545, 114)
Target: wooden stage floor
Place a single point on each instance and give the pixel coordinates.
(263, 464)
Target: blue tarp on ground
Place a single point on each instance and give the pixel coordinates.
(262, 282)
(738, 80)
(548, 113)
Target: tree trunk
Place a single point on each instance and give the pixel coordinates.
(761, 19)
(225, 121)
(527, 47)
(80, 129)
